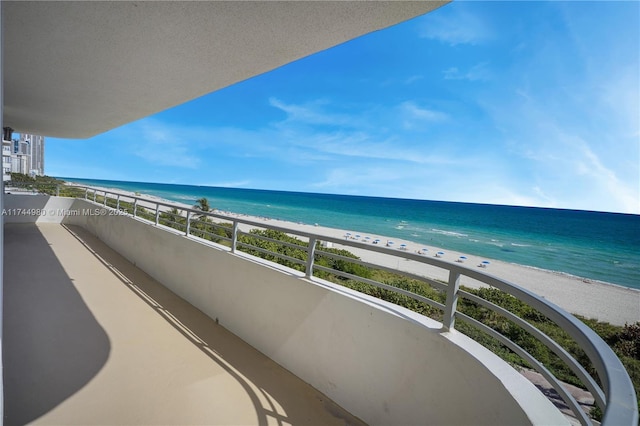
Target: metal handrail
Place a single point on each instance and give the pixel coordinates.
(616, 396)
(577, 369)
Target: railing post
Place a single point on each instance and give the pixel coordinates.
(157, 214)
(57, 190)
(234, 236)
(311, 252)
(135, 206)
(451, 304)
(86, 193)
(94, 195)
(188, 229)
(104, 202)
(118, 202)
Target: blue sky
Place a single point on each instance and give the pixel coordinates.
(518, 103)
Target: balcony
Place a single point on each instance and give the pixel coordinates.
(89, 338)
(119, 319)
(128, 321)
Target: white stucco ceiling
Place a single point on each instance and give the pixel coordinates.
(76, 69)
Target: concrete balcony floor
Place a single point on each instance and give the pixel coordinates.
(91, 339)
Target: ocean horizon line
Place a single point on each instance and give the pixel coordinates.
(71, 179)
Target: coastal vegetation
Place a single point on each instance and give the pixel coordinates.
(44, 185)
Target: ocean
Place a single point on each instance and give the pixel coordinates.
(594, 245)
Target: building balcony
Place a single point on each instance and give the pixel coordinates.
(111, 318)
(90, 338)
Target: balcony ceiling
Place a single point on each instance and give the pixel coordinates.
(77, 69)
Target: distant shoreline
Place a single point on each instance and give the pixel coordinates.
(587, 297)
(594, 245)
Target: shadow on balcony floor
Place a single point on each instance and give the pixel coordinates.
(53, 345)
(108, 344)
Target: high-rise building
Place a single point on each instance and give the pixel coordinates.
(33, 145)
(24, 155)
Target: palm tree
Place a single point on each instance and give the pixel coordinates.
(204, 207)
(202, 204)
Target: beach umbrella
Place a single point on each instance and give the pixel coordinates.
(347, 235)
(389, 243)
(403, 246)
(440, 254)
(484, 263)
(461, 259)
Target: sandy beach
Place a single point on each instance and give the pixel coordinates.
(592, 299)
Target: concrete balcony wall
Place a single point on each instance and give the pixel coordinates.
(382, 363)
(29, 208)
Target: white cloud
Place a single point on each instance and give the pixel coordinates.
(230, 184)
(65, 169)
(472, 180)
(364, 148)
(360, 140)
(423, 114)
(570, 125)
(456, 26)
(605, 181)
(415, 117)
(621, 93)
(550, 202)
(571, 167)
(413, 79)
(161, 145)
(311, 113)
(479, 72)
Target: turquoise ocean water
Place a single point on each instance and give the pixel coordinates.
(594, 245)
